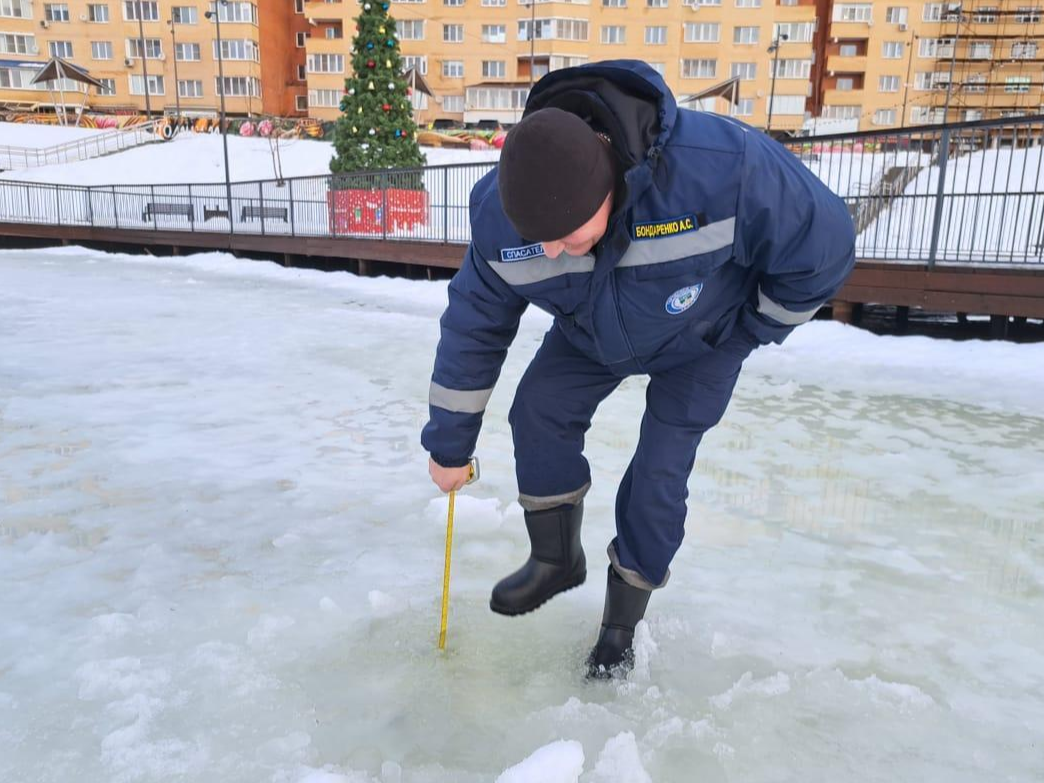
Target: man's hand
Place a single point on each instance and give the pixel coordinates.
(448, 479)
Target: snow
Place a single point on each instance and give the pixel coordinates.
(20, 134)
(221, 557)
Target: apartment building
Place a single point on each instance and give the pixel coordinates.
(478, 56)
(906, 63)
(797, 62)
(157, 53)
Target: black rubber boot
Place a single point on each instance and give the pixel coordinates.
(555, 564)
(624, 607)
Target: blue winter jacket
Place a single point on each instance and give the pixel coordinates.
(714, 227)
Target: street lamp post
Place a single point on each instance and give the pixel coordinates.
(174, 54)
(774, 49)
(142, 53)
(216, 16)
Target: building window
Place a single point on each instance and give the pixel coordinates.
(238, 12)
(494, 33)
(985, 15)
(101, 50)
(848, 50)
(1024, 50)
(921, 115)
(745, 107)
(146, 10)
(655, 36)
(980, 50)
(1027, 15)
(301, 40)
(187, 52)
(702, 32)
(660, 68)
(748, 4)
(933, 12)
(493, 69)
(699, 69)
(845, 83)
(796, 32)
(1017, 84)
(745, 71)
(935, 48)
(972, 115)
(299, 9)
(153, 48)
(61, 49)
(410, 29)
(789, 104)
(156, 84)
(12, 43)
(884, 117)
(700, 3)
(184, 14)
(56, 12)
(494, 3)
(888, 84)
(301, 101)
(324, 98)
(453, 3)
(453, 69)
(853, 12)
(16, 9)
(326, 63)
(793, 69)
(558, 29)
(418, 63)
(453, 33)
(656, 3)
(419, 101)
(108, 87)
(240, 86)
(614, 3)
(896, 14)
(496, 98)
(334, 33)
(454, 104)
(614, 34)
(239, 49)
(974, 83)
(745, 35)
(97, 12)
(190, 88)
(302, 73)
(893, 50)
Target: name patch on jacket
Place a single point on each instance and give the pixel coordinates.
(658, 229)
(510, 254)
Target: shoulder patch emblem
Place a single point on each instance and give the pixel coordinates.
(511, 254)
(682, 299)
(658, 229)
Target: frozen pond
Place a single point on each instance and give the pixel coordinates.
(221, 557)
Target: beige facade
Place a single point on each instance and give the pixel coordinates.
(173, 52)
(475, 54)
(846, 64)
(890, 63)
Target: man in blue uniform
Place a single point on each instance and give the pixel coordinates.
(666, 243)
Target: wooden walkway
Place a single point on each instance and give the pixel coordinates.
(996, 291)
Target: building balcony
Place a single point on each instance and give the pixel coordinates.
(835, 97)
(837, 63)
(794, 13)
(338, 11)
(849, 30)
(316, 45)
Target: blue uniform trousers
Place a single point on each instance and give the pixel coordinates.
(552, 411)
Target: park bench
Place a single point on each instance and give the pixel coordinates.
(153, 209)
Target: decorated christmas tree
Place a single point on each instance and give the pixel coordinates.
(376, 130)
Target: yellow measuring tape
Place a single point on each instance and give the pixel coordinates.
(472, 476)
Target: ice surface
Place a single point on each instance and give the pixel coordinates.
(221, 557)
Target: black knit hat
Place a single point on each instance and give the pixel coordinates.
(554, 174)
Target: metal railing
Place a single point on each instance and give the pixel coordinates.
(93, 146)
(970, 193)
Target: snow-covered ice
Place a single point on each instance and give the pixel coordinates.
(221, 557)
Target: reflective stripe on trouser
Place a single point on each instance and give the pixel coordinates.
(553, 407)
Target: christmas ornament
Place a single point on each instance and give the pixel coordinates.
(371, 64)
(381, 29)
(367, 6)
(351, 91)
(391, 85)
(360, 110)
(387, 63)
(386, 107)
(398, 133)
(391, 42)
(370, 87)
(354, 129)
(373, 132)
(369, 45)
(384, 6)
